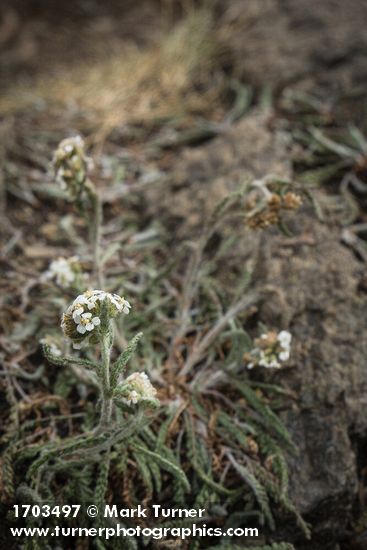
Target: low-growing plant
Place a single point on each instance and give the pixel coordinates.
(213, 438)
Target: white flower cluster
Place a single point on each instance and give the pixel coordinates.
(63, 271)
(83, 315)
(270, 350)
(137, 387)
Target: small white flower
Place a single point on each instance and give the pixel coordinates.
(133, 398)
(91, 302)
(114, 299)
(81, 300)
(77, 314)
(284, 355)
(285, 338)
(87, 323)
(126, 308)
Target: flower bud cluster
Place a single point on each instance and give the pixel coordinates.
(83, 317)
(270, 350)
(71, 166)
(264, 207)
(137, 388)
(51, 343)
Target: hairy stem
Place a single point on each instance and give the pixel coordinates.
(106, 410)
(97, 242)
(95, 228)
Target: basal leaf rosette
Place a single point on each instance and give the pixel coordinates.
(82, 322)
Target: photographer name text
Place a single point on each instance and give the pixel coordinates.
(156, 511)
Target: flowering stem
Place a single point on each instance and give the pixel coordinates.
(97, 241)
(95, 227)
(106, 409)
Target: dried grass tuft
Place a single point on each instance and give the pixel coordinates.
(131, 85)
